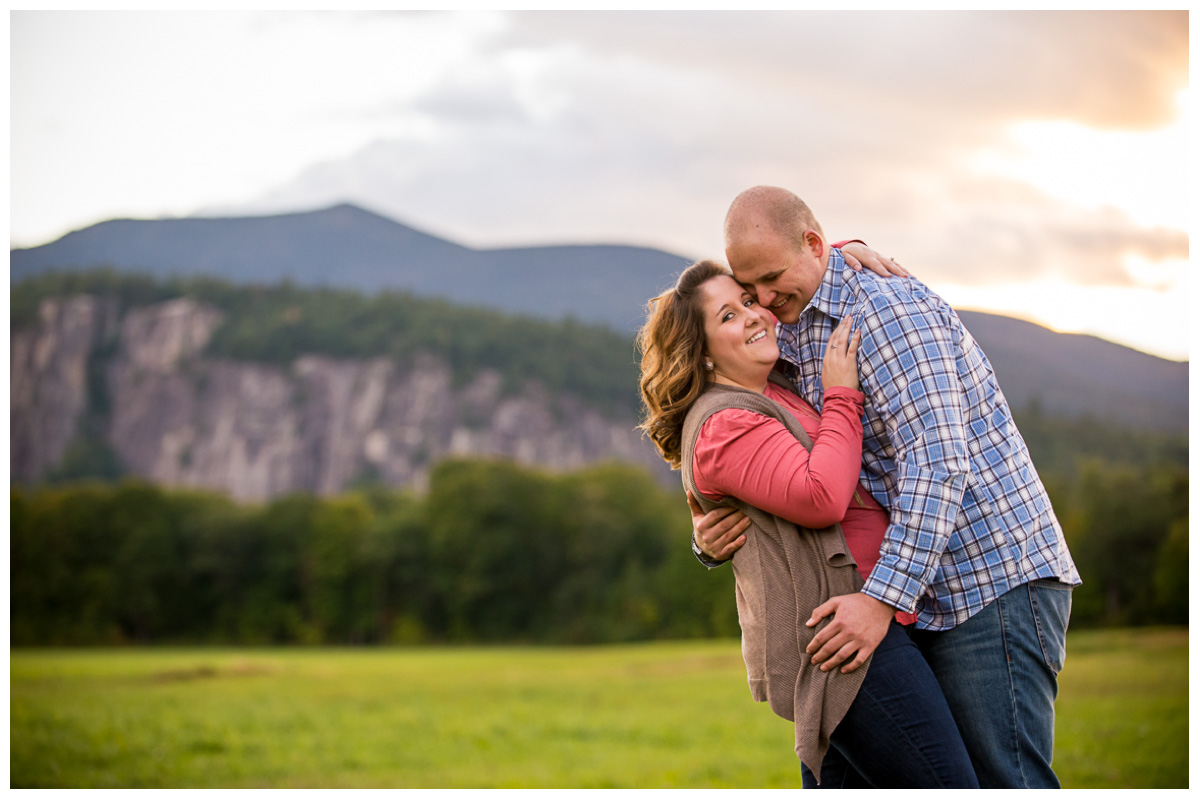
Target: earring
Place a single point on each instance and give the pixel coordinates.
(708, 365)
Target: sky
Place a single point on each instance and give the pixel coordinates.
(1034, 164)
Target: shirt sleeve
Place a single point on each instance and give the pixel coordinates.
(908, 363)
(756, 459)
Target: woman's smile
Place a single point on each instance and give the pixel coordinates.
(739, 334)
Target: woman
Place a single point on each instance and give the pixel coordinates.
(742, 437)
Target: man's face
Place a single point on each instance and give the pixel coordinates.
(782, 276)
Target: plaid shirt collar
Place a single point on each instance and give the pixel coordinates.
(830, 298)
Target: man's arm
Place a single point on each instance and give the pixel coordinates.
(911, 375)
(717, 535)
(916, 387)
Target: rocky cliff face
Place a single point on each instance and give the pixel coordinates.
(175, 416)
(49, 380)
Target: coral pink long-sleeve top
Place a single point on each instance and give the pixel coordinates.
(755, 459)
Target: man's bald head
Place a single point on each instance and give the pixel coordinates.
(772, 208)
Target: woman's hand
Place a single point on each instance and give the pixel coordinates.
(841, 357)
(857, 255)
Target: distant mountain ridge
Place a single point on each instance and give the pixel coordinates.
(348, 247)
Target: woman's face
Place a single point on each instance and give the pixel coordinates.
(739, 334)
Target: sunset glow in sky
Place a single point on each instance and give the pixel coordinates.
(1028, 163)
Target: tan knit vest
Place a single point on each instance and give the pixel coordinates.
(782, 573)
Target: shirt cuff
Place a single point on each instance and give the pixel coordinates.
(893, 587)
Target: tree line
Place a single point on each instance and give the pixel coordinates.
(492, 552)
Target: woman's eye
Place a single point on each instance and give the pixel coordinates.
(728, 316)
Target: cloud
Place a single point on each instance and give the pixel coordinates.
(1104, 68)
(117, 113)
(641, 126)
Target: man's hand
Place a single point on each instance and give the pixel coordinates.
(858, 255)
(719, 533)
(859, 624)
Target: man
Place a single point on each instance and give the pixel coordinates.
(973, 547)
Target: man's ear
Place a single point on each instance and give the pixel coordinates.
(815, 243)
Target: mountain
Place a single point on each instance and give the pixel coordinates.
(346, 246)
(1076, 375)
(349, 247)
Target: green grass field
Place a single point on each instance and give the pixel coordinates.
(651, 715)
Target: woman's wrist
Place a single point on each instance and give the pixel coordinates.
(846, 393)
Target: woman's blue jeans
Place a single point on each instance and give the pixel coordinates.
(898, 733)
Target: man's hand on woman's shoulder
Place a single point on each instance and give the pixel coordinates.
(857, 255)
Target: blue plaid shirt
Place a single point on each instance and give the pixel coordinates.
(970, 518)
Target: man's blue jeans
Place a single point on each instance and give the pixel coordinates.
(999, 673)
(898, 733)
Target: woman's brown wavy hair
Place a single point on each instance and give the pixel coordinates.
(671, 344)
